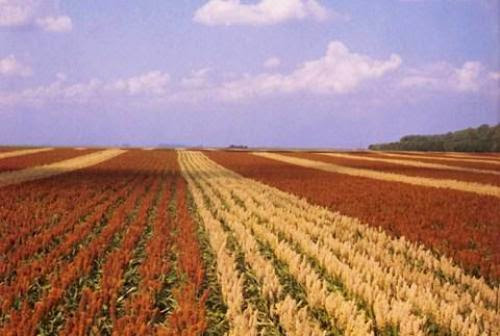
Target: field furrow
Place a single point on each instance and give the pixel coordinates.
(189, 316)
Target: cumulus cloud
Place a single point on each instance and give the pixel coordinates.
(340, 71)
(264, 12)
(58, 91)
(197, 79)
(154, 82)
(469, 77)
(15, 13)
(59, 24)
(272, 62)
(10, 66)
(151, 84)
(33, 13)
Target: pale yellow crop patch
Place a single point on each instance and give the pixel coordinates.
(22, 152)
(44, 171)
(478, 188)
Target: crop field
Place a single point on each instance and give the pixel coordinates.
(192, 242)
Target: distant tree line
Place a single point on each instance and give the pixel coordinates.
(482, 139)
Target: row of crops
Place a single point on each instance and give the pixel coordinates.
(107, 250)
(336, 274)
(189, 243)
(459, 224)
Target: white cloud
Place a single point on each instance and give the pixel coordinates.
(14, 13)
(494, 75)
(82, 92)
(468, 76)
(151, 84)
(10, 66)
(59, 24)
(33, 13)
(445, 77)
(264, 12)
(272, 62)
(197, 79)
(339, 71)
(58, 91)
(154, 82)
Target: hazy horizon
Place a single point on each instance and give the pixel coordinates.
(200, 145)
(267, 73)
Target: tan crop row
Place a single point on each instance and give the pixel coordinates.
(374, 269)
(56, 168)
(441, 157)
(476, 163)
(243, 321)
(417, 164)
(294, 320)
(343, 313)
(20, 152)
(481, 189)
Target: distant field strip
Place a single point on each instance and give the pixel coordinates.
(45, 171)
(477, 188)
(472, 155)
(20, 152)
(317, 271)
(417, 164)
(423, 156)
(465, 156)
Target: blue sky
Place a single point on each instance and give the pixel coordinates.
(307, 73)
